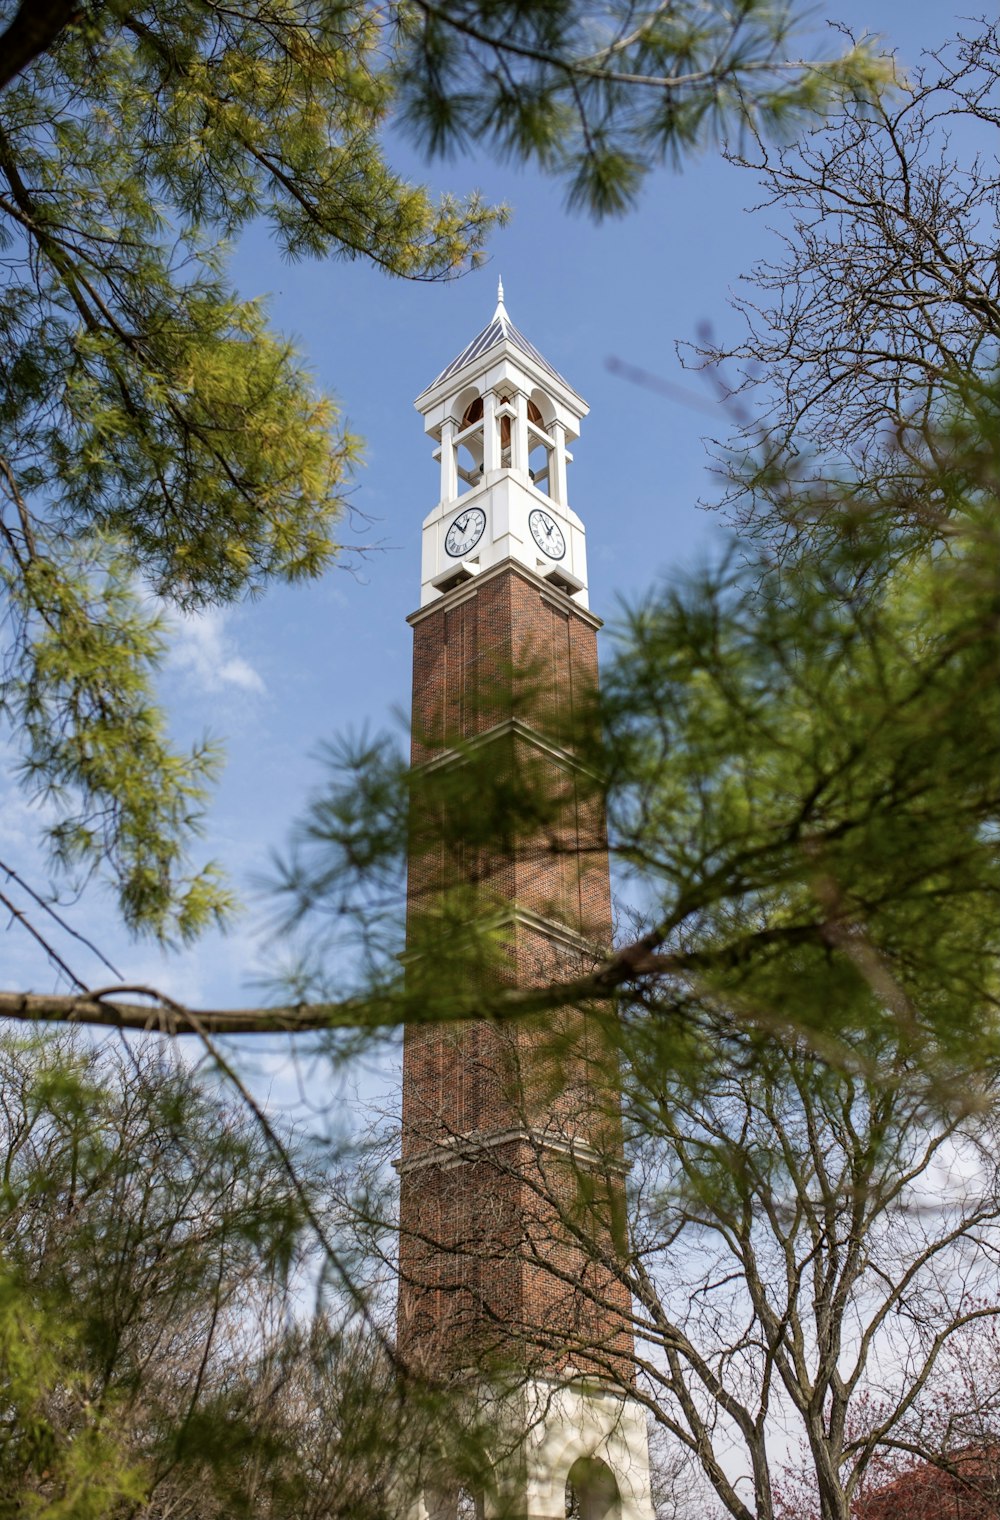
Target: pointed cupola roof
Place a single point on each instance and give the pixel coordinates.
(498, 330)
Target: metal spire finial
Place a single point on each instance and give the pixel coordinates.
(501, 312)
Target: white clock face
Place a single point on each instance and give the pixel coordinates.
(465, 532)
(547, 534)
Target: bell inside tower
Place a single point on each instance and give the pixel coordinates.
(536, 450)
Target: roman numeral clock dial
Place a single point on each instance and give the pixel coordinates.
(547, 534)
(465, 532)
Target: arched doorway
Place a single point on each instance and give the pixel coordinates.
(591, 1491)
(470, 1505)
(452, 1504)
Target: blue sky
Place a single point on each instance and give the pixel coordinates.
(275, 678)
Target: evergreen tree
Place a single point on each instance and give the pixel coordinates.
(155, 433)
(799, 768)
(800, 772)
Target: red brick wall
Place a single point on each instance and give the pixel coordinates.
(467, 647)
(487, 1265)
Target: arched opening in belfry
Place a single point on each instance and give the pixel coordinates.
(469, 441)
(591, 1491)
(540, 442)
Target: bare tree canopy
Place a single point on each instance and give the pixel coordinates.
(886, 296)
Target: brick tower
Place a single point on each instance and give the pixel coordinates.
(507, 1277)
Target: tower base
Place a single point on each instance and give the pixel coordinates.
(576, 1449)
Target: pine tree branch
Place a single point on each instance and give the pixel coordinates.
(637, 966)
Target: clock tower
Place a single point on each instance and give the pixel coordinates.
(502, 418)
(512, 1170)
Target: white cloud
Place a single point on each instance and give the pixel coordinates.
(203, 649)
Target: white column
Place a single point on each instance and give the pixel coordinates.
(449, 472)
(491, 434)
(557, 464)
(519, 453)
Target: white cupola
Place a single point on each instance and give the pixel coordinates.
(502, 417)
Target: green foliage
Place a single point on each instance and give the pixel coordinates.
(599, 95)
(150, 1251)
(153, 429)
(94, 741)
(807, 794)
(799, 769)
(60, 1456)
(799, 765)
(172, 1341)
(154, 432)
